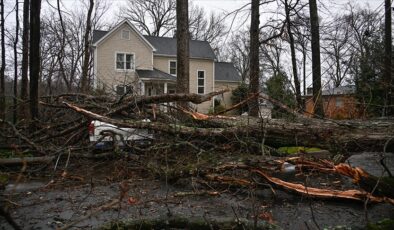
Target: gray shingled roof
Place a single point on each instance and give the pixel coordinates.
(97, 34)
(167, 46)
(340, 90)
(155, 74)
(225, 71)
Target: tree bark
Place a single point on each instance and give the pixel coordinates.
(316, 64)
(85, 67)
(182, 36)
(387, 61)
(35, 8)
(254, 86)
(2, 68)
(293, 56)
(15, 112)
(25, 57)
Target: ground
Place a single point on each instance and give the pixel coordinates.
(36, 203)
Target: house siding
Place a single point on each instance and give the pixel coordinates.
(347, 109)
(106, 73)
(162, 63)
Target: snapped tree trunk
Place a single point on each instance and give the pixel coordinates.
(35, 8)
(293, 56)
(85, 67)
(182, 36)
(316, 65)
(25, 58)
(254, 85)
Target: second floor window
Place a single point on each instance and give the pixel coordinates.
(173, 68)
(200, 82)
(124, 61)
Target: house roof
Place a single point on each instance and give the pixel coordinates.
(166, 46)
(155, 74)
(225, 71)
(100, 35)
(340, 90)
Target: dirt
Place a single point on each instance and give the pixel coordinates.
(50, 202)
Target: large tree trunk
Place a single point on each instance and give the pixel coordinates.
(182, 36)
(35, 8)
(25, 58)
(293, 56)
(316, 65)
(15, 112)
(2, 68)
(389, 100)
(254, 86)
(85, 67)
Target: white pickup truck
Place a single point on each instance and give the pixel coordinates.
(105, 135)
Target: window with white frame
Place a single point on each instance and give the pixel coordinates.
(124, 61)
(126, 34)
(172, 67)
(200, 82)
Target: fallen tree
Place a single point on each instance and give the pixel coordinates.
(356, 136)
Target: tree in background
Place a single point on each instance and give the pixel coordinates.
(278, 87)
(240, 94)
(182, 36)
(15, 84)
(289, 24)
(2, 68)
(388, 68)
(35, 9)
(316, 63)
(25, 58)
(254, 74)
(86, 60)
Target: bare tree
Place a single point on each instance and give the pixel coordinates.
(25, 56)
(337, 50)
(85, 67)
(2, 68)
(254, 86)
(35, 9)
(210, 29)
(238, 49)
(288, 9)
(16, 40)
(389, 99)
(152, 17)
(182, 35)
(316, 64)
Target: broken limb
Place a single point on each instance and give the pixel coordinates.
(157, 99)
(352, 194)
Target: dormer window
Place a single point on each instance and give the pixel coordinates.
(126, 34)
(172, 67)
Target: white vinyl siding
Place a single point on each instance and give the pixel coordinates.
(200, 81)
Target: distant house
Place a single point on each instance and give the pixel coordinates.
(125, 60)
(338, 103)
